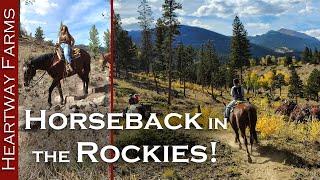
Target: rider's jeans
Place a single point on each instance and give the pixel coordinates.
(66, 51)
(228, 108)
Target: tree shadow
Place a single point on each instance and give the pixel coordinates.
(284, 156)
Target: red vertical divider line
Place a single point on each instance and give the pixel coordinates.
(111, 89)
(9, 34)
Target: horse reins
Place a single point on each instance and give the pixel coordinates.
(32, 86)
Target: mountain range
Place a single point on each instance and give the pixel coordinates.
(270, 43)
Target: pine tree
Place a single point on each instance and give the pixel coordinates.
(240, 47)
(94, 43)
(145, 21)
(313, 85)
(39, 36)
(278, 82)
(106, 40)
(295, 85)
(160, 62)
(188, 64)
(126, 52)
(172, 29)
(315, 56)
(307, 55)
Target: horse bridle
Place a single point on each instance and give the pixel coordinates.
(33, 85)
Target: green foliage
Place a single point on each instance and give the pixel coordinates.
(159, 63)
(125, 50)
(94, 43)
(39, 36)
(295, 85)
(145, 20)
(311, 57)
(184, 63)
(106, 40)
(278, 81)
(307, 55)
(171, 23)
(312, 88)
(240, 46)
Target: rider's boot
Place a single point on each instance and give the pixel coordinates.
(69, 67)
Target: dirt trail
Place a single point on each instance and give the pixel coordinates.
(267, 164)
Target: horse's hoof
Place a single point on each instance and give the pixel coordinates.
(249, 159)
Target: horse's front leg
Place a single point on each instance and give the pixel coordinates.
(53, 85)
(60, 93)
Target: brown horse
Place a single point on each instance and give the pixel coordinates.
(57, 70)
(244, 115)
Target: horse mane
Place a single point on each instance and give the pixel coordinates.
(42, 58)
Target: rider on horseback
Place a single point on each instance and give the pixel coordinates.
(66, 41)
(237, 93)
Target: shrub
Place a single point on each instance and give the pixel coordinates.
(269, 125)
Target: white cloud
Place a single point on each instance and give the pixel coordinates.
(227, 8)
(260, 26)
(308, 8)
(40, 7)
(198, 23)
(129, 21)
(313, 32)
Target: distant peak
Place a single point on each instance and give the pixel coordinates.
(284, 30)
(294, 33)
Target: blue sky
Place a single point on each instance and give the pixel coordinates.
(258, 16)
(78, 15)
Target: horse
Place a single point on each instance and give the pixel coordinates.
(56, 68)
(300, 114)
(315, 112)
(286, 108)
(244, 115)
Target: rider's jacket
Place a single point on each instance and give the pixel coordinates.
(237, 92)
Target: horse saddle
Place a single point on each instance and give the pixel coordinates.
(74, 54)
(237, 103)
